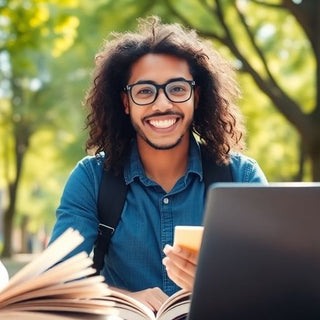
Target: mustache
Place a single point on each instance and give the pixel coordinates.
(163, 114)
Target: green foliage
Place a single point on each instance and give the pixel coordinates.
(267, 38)
(267, 130)
(36, 34)
(287, 50)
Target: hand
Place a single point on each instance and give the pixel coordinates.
(181, 265)
(152, 297)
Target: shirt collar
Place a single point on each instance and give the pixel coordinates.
(134, 168)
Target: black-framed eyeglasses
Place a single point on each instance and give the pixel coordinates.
(146, 92)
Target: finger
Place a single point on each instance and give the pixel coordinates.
(181, 252)
(188, 254)
(181, 264)
(183, 279)
(180, 270)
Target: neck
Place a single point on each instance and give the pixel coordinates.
(164, 166)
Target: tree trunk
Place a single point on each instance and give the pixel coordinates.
(302, 158)
(8, 221)
(22, 135)
(315, 163)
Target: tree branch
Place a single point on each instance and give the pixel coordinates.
(268, 86)
(307, 14)
(270, 5)
(187, 23)
(206, 5)
(254, 44)
(219, 13)
(288, 107)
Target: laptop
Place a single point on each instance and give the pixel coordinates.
(260, 253)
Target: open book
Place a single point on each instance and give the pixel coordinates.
(176, 307)
(46, 289)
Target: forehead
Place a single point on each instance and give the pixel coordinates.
(159, 68)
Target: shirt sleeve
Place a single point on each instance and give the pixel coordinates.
(78, 205)
(246, 169)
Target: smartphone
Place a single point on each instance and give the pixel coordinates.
(188, 236)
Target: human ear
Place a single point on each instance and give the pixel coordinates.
(196, 97)
(125, 101)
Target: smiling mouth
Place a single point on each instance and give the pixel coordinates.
(163, 124)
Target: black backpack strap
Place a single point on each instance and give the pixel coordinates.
(112, 195)
(213, 172)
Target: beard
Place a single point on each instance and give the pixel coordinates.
(162, 147)
(156, 146)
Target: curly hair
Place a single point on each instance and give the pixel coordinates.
(217, 120)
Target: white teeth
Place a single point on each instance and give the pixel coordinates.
(162, 124)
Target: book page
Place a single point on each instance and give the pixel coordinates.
(73, 268)
(179, 298)
(92, 306)
(48, 284)
(88, 288)
(32, 315)
(124, 302)
(4, 276)
(129, 308)
(68, 241)
(179, 310)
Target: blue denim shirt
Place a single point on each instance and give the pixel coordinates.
(134, 259)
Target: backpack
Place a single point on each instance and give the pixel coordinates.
(112, 195)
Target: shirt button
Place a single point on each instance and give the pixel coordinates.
(165, 200)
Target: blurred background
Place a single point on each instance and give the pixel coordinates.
(47, 51)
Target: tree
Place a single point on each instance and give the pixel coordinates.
(41, 89)
(32, 35)
(242, 24)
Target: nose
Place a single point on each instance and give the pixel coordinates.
(162, 103)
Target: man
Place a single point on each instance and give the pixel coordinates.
(155, 94)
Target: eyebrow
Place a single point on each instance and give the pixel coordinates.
(142, 81)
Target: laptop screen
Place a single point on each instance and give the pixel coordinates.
(260, 255)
